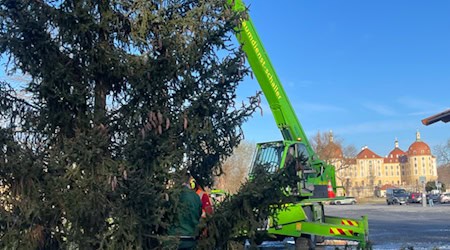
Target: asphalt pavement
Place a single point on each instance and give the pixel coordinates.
(396, 227)
(402, 226)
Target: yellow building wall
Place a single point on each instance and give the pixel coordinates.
(361, 178)
(418, 166)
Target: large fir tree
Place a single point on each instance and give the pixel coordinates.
(124, 97)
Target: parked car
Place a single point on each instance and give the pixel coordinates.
(445, 198)
(345, 201)
(396, 196)
(435, 197)
(415, 197)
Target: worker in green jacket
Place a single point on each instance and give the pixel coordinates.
(186, 223)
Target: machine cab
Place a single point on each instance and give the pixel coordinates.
(279, 154)
(293, 156)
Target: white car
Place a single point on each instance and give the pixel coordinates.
(444, 198)
(344, 201)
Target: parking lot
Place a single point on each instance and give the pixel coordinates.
(396, 227)
(402, 226)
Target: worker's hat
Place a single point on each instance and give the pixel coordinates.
(192, 183)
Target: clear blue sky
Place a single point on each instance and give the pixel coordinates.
(367, 70)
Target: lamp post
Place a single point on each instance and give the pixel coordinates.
(347, 185)
(422, 180)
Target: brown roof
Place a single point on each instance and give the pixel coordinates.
(443, 116)
(396, 153)
(333, 150)
(400, 159)
(419, 148)
(350, 160)
(394, 156)
(390, 160)
(367, 153)
(386, 186)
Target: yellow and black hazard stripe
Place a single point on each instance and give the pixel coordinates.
(349, 222)
(341, 231)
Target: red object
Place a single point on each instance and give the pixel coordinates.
(206, 204)
(331, 193)
(207, 208)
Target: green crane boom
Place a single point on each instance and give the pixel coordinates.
(304, 219)
(285, 117)
(282, 110)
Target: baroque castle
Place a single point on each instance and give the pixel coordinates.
(366, 173)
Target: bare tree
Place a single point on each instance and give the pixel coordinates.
(236, 167)
(326, 147)
(443, 153)
(331, 149)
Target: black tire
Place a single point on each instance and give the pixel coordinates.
(306, 241)
(353, 202)
(338, 203)
(320, 239)
(259, 240)
(303, 243)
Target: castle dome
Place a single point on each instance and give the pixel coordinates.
(332, 149)
(419, 147)
(396, 152)
(396, 155)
